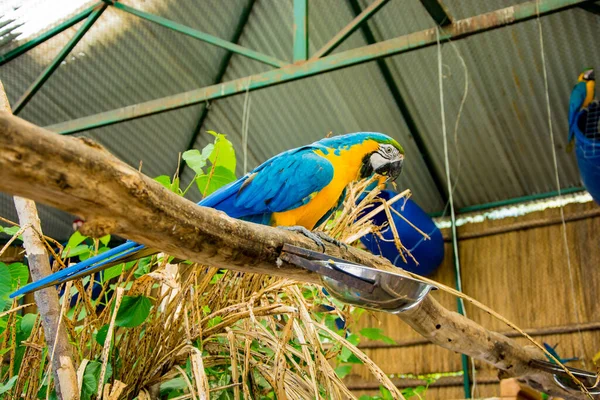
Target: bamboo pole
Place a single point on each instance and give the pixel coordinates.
(46, 299)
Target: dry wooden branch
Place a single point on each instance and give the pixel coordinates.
(80, 177)
(47, 299)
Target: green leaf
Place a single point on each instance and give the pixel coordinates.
(196, 160)
(5, 285)
(133, 311)
(343, 370)
(75, 240)
(223, 154)
(354, 339)
(214, 321)
(112, 272)
(376, 334)
(11, 231)
(385, 393)
(75, 251)
(164, 180)
(105, 239)
(91, 376)
(143, 267)
(216, 179)
(27, 323)
(19, 274)
(101, 335)
(172, 385)
(205, 309)
(8, 385)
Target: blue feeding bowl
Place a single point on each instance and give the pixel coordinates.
(587, 148)
(428, 253)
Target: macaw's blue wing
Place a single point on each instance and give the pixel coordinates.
(576, 101)
(282, 183)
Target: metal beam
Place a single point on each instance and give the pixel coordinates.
(436, 175)
(220, 74)
(9, 56)
(356, 23)
(300, 30)
(460, 29)
(205, 37)
(43, 77)
(519, 200)
(438, 12)
(591, 7)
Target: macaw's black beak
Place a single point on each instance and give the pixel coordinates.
(391, 169)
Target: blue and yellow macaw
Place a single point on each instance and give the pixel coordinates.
(298, 189)
(581, 96)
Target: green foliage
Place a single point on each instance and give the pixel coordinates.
(8, 385)
(209, 183)
(11, 231)
(196, 160)
(214, 166)
(101, 334)
(5, 285)
(133, 311)
(376, 334)
(91, 377)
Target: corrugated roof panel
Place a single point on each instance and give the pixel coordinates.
(113, 66)
(503, 137)
(125, 60)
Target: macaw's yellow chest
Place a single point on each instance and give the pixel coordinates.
(346, 168)
(590, 87)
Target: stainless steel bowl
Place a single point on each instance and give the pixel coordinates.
(390, 292)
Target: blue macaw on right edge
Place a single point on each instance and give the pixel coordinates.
(581, 96)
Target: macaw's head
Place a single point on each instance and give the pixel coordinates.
(587, 75)
(386, 160)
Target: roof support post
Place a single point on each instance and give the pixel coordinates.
(43, 77)
(300, 30)
(418, 40)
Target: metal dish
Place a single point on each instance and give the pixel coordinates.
(389, 291)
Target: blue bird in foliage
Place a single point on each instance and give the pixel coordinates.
(581, 96)
(298, 189)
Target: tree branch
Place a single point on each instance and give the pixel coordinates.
(80, 177)
(46, 299)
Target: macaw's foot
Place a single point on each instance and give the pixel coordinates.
(317, 236)
(327, 238)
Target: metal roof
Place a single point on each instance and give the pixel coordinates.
(502, 140)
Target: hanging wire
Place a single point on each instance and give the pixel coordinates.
(461, 302)
(562, 212)
(245, 123)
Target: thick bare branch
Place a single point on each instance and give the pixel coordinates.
(79, 176)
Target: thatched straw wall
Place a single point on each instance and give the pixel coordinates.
(522, 274)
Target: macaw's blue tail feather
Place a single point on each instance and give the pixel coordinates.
(83, 268)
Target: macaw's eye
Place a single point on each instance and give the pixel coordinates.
(388, 150)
